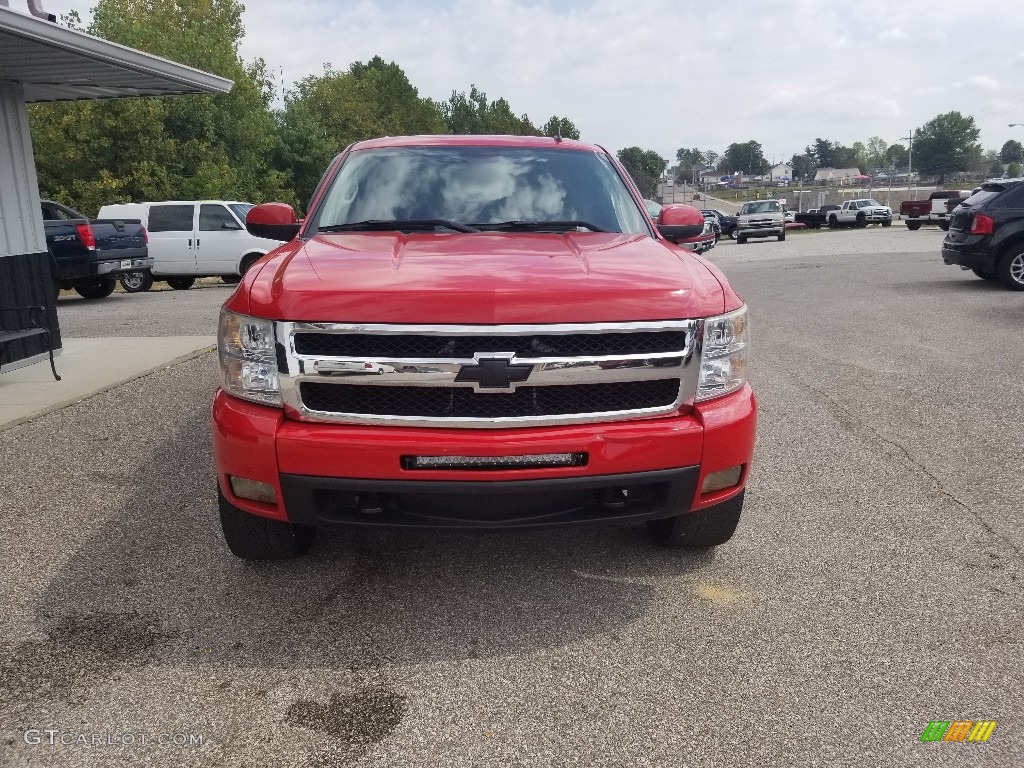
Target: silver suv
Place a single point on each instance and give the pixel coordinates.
(761, 218)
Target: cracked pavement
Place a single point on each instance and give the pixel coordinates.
(874, 583)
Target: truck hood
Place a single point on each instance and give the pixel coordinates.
(482, 278)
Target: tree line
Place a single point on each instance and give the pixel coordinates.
(948, 143)
(237, 145)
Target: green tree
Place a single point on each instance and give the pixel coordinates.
(1013, 170)
(946, 143)
(645, 166)
(560, 126)
(875, 153)
(824, 153)
(302, 148)
(366, 101)
(856, 156)
(472, 113)
(745, 158)
(896, 156)
(189, 147)
(1012, 152)
(803, 166)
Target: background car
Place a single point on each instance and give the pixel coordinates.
(711, 219)
(726, 223)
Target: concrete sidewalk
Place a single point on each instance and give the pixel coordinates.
(87, 367)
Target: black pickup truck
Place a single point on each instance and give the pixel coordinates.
(815, 218)
(90, 254)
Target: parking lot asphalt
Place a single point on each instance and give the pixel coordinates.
(874, 584)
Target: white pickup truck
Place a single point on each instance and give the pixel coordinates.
(860, 213)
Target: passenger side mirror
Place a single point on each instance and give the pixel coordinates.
(274, 221)
(680, 222)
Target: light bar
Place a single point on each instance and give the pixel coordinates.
(529, 461)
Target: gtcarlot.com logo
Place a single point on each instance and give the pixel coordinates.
(53, 737)
(958, 730)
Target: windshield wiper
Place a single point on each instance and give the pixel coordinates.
(386, 225)
(538, 226)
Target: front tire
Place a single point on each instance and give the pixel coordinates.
(913, 226)
(97, 288)
(1011, 270)
(740, 240)
(136, 282)
(252, 537)
(181, 283)
(862, 221)
(699, 530)
(734, 235)
(782, 236)
(887, 223)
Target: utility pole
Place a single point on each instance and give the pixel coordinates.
(910, 163)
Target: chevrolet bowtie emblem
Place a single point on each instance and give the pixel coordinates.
(494, 373)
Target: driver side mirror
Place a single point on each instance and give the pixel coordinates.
(680, 222)
(274, 221)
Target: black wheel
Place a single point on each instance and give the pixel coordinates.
(699, 530)
(833, 222)
(96, 288)
(913, 226)
(136, 282)
(181, 283)
(984, 275)
(248, 261)
(887, 223)
(740, 240)
(944, 226)
(1011, 269)
(733, 234)
(782, 235)
(252, 537)
(862, 221)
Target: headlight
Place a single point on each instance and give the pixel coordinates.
(248, 359)
(723, 360)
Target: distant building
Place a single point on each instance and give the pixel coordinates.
(781, 172)
(836, 175)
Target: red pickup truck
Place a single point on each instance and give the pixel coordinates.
(935, 210)
(480, 332)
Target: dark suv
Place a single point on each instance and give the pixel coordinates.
(986, 233)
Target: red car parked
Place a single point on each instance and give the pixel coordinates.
(480, 332)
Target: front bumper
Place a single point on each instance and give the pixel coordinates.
(328, 473)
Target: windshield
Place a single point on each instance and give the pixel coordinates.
(763, 206)
(241, 209)
(480, 186)
(870, 202)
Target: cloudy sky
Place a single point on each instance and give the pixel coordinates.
(664, 74)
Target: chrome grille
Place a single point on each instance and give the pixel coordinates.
(460, 402)
(487, 376)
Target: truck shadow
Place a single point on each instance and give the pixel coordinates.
(156, 586)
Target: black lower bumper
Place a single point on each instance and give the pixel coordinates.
(488, 505)
(969, 257)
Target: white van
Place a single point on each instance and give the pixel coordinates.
(197, 238)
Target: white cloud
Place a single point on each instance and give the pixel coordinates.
(891, 35)
(663, 74)
(983, 81)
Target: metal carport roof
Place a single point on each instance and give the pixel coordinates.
(57, 64)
